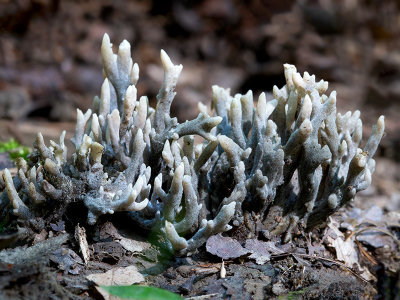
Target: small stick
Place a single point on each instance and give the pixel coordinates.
(282, 255)
(366, 254)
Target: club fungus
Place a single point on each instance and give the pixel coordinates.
(275, 166)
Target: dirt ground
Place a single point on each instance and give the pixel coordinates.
(51, 262)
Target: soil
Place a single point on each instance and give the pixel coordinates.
(247, 280)
(54, 269)
(43, 275)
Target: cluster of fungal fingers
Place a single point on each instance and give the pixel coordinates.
(284, 163)
(294, 159)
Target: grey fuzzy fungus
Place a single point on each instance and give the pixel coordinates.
(281, 164)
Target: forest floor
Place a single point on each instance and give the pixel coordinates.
(356, 256)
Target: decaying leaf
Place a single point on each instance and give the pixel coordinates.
(225, 247)
(369, 227)
(117, 276)
(60, 226)
(67, 260)
(261, 251)
(357, 216)
(393, 219)
(109, 230)
(374, 238)
(345, 249)
(133, 245)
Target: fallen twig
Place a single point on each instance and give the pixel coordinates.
(286, 254)
(361, 230)
(366, 254)
(202, 297)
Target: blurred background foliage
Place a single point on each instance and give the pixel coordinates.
(14, 149)
(50, 60)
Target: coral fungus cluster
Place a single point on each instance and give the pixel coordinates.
(284, 163)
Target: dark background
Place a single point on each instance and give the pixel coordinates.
(50, 52)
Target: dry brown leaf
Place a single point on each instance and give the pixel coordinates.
(68, 261)
(117, 276)
(133, 245)
(128, 244)
(261, 251)
(345, 249)
(225, 247)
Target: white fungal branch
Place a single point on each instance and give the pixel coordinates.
(167, 92)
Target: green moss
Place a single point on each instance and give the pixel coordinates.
(293, 295)
(14, 149)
